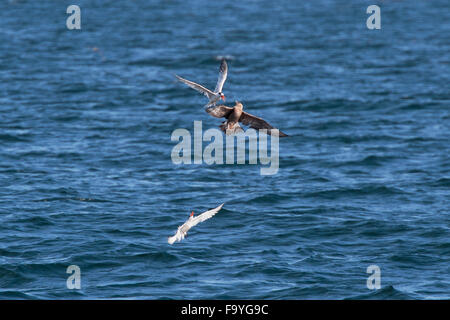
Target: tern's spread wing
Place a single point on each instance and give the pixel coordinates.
(205, 215)
(258, 123)
(178, 236)
(220, 111)
(181, 232)
(208, 93)
(223, 71)
(183, 229)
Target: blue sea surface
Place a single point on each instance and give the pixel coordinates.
(85, 150)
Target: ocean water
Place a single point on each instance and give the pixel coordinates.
(85, 150)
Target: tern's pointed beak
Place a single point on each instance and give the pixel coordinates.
(223, 97)
(192, 214)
